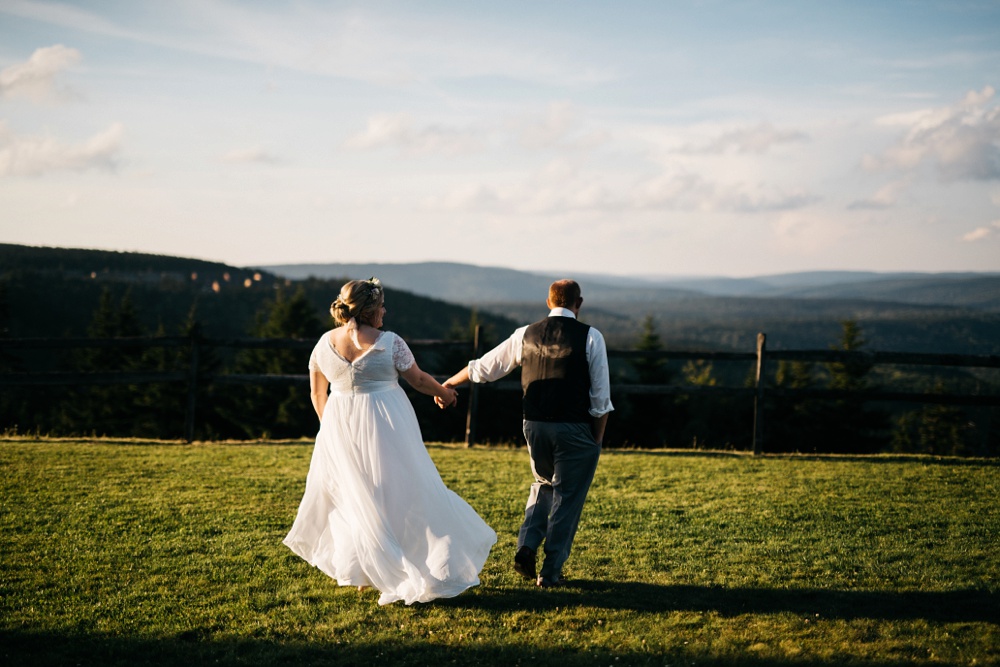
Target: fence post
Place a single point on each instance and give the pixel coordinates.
(470, 418)
(758, 401)
(192, 393)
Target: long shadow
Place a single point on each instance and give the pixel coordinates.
(54, 649)
(811, 456)
(962, 606)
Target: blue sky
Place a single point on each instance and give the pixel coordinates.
(678, 138)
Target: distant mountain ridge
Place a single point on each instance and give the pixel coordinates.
(907, 312)
(475, 285)
(471, 285)
(52, 291)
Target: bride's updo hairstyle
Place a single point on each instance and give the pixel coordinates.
(360, 299)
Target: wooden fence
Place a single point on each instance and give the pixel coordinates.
(757, 393)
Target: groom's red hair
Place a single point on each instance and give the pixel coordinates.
(564, 294)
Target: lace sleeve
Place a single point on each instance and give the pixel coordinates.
(402, 358)
(314, 357)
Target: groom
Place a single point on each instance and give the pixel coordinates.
(564, 375)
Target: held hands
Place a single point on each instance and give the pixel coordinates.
(449, 400)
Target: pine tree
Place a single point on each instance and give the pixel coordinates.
(944, 430)
(647, 420)
(209, 423)
(850, 424)
(112, 410)
(276, 410)
(794, 423)
(650, 370)
(850, 376)
(14, 405)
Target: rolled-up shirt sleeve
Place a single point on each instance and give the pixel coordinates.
(499, 361)
(600, 375)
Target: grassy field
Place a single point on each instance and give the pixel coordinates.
(136, 553)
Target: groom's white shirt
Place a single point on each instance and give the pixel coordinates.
(506, 356)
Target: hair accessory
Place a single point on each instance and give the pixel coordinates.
(376, 287)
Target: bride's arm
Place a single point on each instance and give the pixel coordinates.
(426, 384)
(319, 389)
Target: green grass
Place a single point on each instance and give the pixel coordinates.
(134, 553)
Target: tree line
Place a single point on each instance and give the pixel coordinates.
(275, 410)
(852, 425)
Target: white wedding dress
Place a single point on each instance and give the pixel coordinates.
(375, 511)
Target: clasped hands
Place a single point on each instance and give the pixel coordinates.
(447, 402)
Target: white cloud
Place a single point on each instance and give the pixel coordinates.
(961, 142)
(558, 189)
(35, 78)
(754, 139)
(761, 200)
(33, 156)
(977, 234)
(684, 191)
(558, 127)
(382, 130)
(398, 131)
(980, 233)
(388, 48)
(691, 192)
(885, 197)
(467, 197)
(807, 233)
(255, 154)
(551, 128)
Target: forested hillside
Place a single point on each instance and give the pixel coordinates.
(55, 292)
(46, 292)
(911, 312)
(51, 292)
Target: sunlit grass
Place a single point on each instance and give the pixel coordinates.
(123, 553)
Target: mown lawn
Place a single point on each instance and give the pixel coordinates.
(137, 553)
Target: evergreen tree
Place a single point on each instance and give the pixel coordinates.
(944, 430)
(850, 376)
(276, 410)
(698, 372)
(647, 420)
(850, 424)
(159, 405)
(794, 423)
(111, 410)
(14, 405)
(163, 406)
(209, 423)
(650, 370)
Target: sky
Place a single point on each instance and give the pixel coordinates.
(675, 138)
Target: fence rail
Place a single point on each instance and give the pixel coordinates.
(759, 392)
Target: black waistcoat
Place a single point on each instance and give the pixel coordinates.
(555, 374)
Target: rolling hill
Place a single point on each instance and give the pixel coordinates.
(54, 292)
(471, 284)
(916, 312)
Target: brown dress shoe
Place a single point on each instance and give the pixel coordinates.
(524, 563)
(542, 582)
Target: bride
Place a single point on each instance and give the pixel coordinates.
(375, 511)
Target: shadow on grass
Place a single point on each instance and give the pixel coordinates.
(925, 459)
(964, 606)
(40, 649)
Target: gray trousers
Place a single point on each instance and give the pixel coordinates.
(563, 460)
